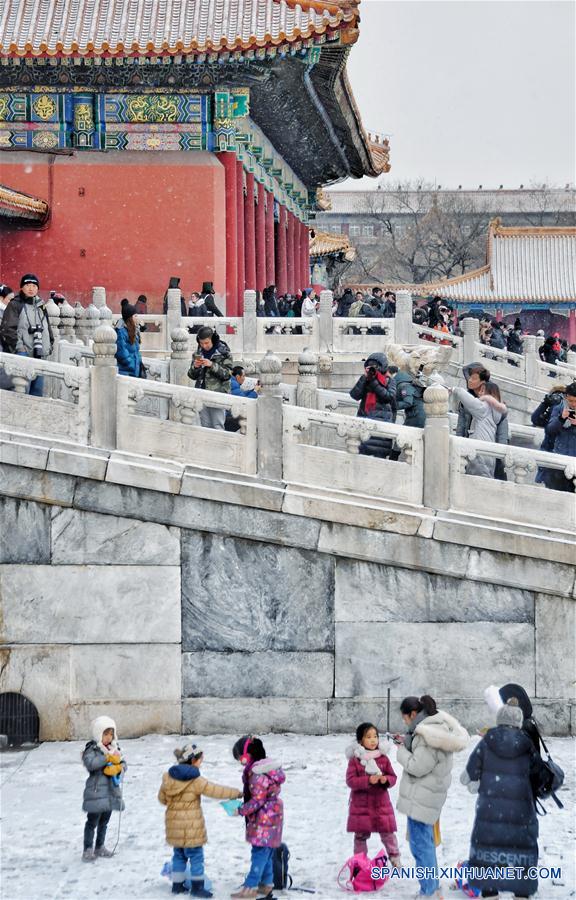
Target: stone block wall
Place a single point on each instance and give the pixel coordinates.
(213, 617)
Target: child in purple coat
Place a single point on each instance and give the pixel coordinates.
(369, 776)
(264, 813)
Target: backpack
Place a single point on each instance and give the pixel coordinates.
(280, 857)
(355, 874)
(548, 779)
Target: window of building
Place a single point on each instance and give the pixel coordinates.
(368, 230)
(355, 231)
(336, 229)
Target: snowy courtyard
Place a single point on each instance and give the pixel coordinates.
(42, 822)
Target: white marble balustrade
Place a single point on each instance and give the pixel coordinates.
(310, 457)
(518, 499)
(175, 433)
(68, 419)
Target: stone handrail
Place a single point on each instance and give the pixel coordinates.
(299, 445)
(321, 448)
(518, 499)
(502, 362)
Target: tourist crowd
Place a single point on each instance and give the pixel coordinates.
(382, 391)
(505, 770)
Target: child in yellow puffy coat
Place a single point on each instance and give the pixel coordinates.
(181, 791)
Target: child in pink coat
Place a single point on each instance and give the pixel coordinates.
(369, 776)
(264, 813)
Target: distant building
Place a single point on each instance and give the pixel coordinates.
(366, 218)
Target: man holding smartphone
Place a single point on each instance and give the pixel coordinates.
(562, 430)
(211, 370)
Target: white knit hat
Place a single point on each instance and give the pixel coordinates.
(510, 714)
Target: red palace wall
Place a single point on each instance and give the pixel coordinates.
(126, 220)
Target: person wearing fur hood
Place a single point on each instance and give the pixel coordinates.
(433, 736)
(370, 776)
(103, 759)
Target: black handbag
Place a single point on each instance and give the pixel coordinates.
(548, 779)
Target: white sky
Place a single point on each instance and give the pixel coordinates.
(469, 91)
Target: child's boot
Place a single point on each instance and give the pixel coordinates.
(245, 893)
(198, 890)
(395, 862)
(178, 887)
(103, 852)
(265, 890)
(88, 855)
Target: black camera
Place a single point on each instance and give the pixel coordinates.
(371, 371)
(37, 345)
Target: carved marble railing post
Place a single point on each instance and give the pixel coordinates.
(269, 418)
(307, 384)
(571, 358)
(103, 389)
(403, 327)
(68, 321)
(249, 322)
(173, 314)
(530, 346)
(53, 314)
(470, 337)
(99, 297)
(325, 322)
(180, 358)
(436, 446)
(79, 313)
(90, 322)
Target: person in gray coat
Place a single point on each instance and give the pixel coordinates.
(425, 754)
(487, 411)
(103, 792)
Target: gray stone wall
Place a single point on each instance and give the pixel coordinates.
(179, 613)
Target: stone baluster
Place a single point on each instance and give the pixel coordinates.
(173, 314)
(307, 384)
(532, 359)
(471, 336)
(326, 322)
(571, 358)
(21, 378)
(79, 313)
(68, 321)
(436, 446)
(180, 357)
(103, 389)
(249, 322)
(403, 327)
(99, 301)
(270, 419)
(53, 314)
(90, 322)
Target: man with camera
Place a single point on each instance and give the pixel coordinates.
(26, 329)
(377, 395)
(561, 429)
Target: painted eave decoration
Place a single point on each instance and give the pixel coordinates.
(15, 205)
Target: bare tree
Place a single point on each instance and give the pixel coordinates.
(424, 234)
(543, 204)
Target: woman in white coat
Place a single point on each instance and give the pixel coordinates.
(432, 737)
(487, 411)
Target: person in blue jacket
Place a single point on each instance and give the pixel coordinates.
(237, 381)
(561, 430)
(128, 342)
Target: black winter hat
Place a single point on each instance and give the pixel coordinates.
(29, 279)
(127, 310)
(207, 287)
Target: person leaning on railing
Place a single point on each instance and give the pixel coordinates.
(211, 370)
(562, 430)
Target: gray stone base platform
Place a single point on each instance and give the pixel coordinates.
(181, 612)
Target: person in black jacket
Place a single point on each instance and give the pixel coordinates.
(505, 832)
(377, 395)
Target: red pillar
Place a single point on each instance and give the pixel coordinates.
(571, 326)
(296, 252)
(305, 254)
(281, 273)
(290, 253)
(228, 160)
(270, 248)
(250, 234)
(261, 282)
(240, 241)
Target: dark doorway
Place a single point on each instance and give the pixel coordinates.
(19, 720)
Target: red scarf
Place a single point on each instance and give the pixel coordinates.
(371, 399)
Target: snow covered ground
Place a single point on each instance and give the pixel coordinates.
(42, 822)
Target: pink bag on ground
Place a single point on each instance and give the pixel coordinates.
(354, 876)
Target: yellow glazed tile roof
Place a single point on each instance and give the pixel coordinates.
(119, 27)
